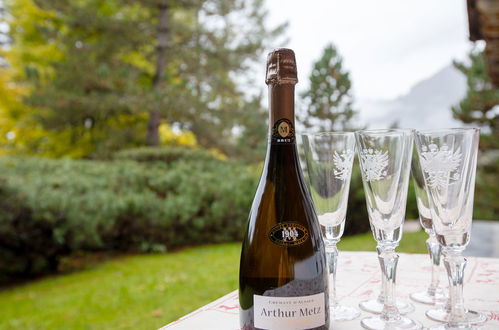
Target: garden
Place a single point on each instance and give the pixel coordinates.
(131, 144)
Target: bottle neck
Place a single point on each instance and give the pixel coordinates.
(282, 165)
(282, 114)
(282, 160)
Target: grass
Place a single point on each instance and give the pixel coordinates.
(410, 243)
(140, 292)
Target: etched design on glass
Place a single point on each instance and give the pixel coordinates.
(343, 164)
(374, 163)
(440, 164)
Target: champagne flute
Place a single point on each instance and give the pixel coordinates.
(385, 159)
(329, 159)
(448, 159)
(376, 305)
(434, 294)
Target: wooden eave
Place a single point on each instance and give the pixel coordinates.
(483, 19)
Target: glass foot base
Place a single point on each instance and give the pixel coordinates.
(344, 313)
(378, 323)
(456, 327)
(425, 298)
(374, 306)
(441, 315)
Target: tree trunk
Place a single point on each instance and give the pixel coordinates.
(162, 42)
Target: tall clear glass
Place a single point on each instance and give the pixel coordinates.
(329, 159)
(385, 160)
(376, 305)
(434, 294)
(448, 159)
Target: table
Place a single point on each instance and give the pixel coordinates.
(484, 239)
(359, 279)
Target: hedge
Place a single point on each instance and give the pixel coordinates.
(145, 200)
(165, 155)
(52, 208)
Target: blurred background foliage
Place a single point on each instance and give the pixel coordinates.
(135, 126)
(480, 108)
(98, 76)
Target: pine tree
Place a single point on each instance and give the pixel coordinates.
(225, 46)
(480, 108)
(328, 101)
(481, 103)
(121, 67)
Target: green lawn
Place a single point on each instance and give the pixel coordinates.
(140, 292)
(410, 243)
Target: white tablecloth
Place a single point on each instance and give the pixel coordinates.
(359, 279)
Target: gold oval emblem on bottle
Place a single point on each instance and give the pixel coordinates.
(283, 132)
(283, 129)
(288, 234)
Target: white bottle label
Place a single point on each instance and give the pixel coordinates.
(289, 313)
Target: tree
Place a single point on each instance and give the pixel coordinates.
(228, 38)
(53, 112)
(481, 103)
(480, 107)
(328, 101)
(19, 132)
(123, 66)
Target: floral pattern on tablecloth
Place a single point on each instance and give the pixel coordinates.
(359, 278)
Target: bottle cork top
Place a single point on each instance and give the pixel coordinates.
(281, 67)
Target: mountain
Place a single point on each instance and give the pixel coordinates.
(426, 105)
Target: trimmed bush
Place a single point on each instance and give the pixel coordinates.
(357, 220)
(146, 200)
(165, 154)
(53, 208)
(487, 191)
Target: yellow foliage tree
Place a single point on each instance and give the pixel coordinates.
(170, 137)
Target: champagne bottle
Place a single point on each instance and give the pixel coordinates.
(283, 281)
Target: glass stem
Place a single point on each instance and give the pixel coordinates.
(332, 260)
(434, 250)
(455, 264)
(381, 296)
(388, 260)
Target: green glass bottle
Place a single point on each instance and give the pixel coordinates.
(283, 279)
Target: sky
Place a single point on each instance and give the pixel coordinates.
(387, 45)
